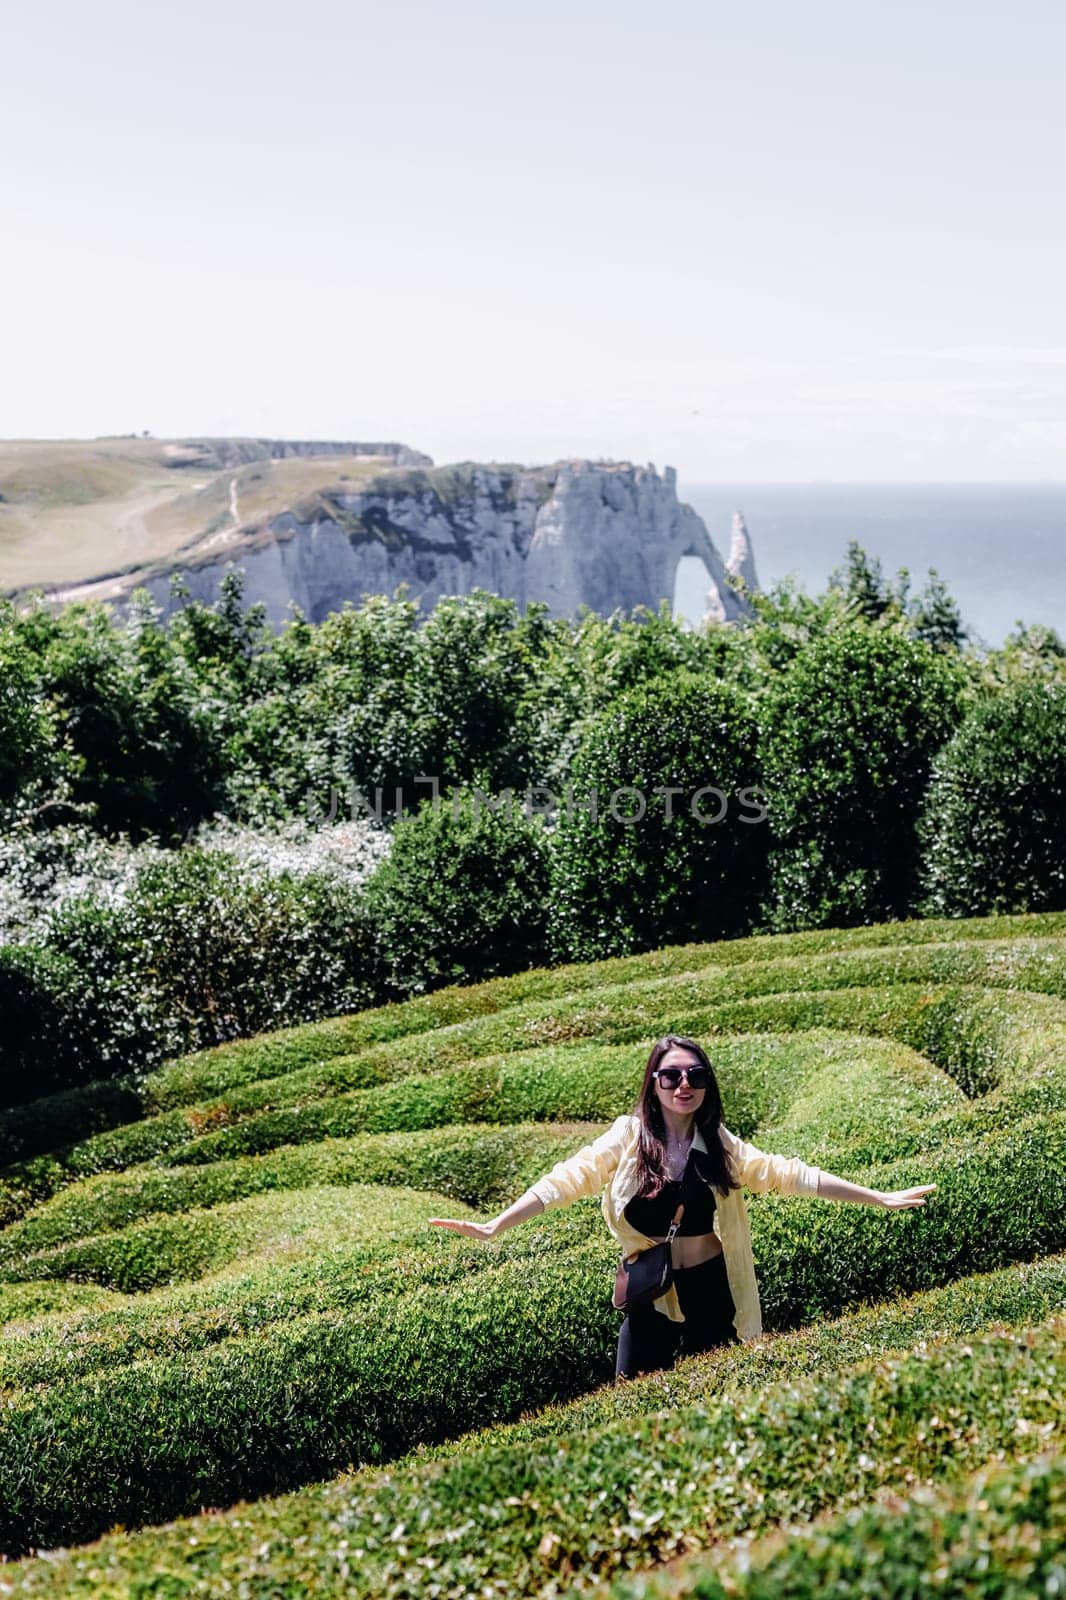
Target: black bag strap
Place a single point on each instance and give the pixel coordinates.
(675, 1222)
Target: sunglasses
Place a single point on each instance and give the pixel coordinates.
(670, 1077)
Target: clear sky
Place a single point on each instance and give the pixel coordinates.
(758, 241)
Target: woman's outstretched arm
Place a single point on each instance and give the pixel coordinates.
(526, 1206)
(582, 1174)
(762, 1170)
(831, 1187)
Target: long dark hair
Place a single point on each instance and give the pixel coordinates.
(713, 1167)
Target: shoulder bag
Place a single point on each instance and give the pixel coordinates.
(643, 1277)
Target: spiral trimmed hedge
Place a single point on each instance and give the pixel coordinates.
(302, 1318)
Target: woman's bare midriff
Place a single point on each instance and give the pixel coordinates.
(690, 1249)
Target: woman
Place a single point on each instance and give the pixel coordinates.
(675, 1149)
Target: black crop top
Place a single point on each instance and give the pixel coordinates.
(653, 1217)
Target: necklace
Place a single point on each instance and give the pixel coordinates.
(677, 1156)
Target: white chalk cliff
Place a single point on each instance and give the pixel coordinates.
(605, 535)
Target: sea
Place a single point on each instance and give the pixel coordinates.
(1000, 548)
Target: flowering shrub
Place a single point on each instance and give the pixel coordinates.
(132, 952)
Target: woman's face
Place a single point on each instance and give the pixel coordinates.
(684, 1098)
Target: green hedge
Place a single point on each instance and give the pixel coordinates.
(962, 1027)
(303, 1396)
(1023, 1167)
(480, 1166)
(250, 1298)
(260, 1414)
(996, 1201)
(973, 1035)
(190, 1244)
(870, 1082)
(29, 1301)
(512, 1521)
(51, 1120)
(265, 1074)
(691, 978)
(323, 1378)
(997, 1535)
(223, 1067)
(1011, 1296)
(247, 1298)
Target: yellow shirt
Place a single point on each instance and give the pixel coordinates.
(610, 1163)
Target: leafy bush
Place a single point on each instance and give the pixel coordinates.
(137, 740)
(994, 822)
(39, 994)
(197, 952)
(478, 659)
(232, 954)
(42, 868)
(684, 867)
(375, 696)
(65, 1022)
(462, 894)
(849, 732)
(26, 725)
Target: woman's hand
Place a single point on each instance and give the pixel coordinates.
(900, 1199)
(469, 1230)
(526, 1206)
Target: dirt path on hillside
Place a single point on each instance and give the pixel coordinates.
(225, 533)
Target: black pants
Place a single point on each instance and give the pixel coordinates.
(649, 1340)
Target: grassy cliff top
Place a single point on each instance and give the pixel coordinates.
(74, 510)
